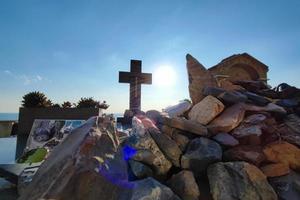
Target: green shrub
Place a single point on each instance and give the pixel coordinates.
(66, 104)
(91, 103)
(35, 100)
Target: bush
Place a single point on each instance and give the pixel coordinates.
(66, 104)
(91, 103)
(35, 100)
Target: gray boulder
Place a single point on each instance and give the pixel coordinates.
(167, 146)
(148, 189)
(140, 170)
(238, 180)
(184, 185)
(200, 153)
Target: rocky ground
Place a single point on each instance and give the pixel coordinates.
(238, 140)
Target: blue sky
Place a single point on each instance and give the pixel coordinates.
(70, 49)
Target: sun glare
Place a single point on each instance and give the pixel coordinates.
(164, 76)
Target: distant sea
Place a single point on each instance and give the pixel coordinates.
(8, 116)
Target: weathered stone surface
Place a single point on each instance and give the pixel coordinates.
(82, 166)
(186, 125)
(226, 140)
(140, 170)
(257, 99)
(213, 91)
(200, 153)
(228, 120)
(252, 154)
(199, 77)
(283, 152)
(250, 130)
(274, 170)
(184, 185)
(238, 180)
(293, 122)
(206, 110)
(145, 156)
(148, 189)
(160, 164)
(232, 97)
(177, 135)
(155, 116)
(271, 107)
(287, 187)
(180, 139)
(167, 146)
(178, 110)
(244, 131)
(229, 86)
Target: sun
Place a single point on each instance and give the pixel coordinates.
(164, 76)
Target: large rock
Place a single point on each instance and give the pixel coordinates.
(179, 109)
(140, 170)
(251, 154)
(206, 110)
(85, 165)
(271, 107)
(283, 152)
(200, 153)
(147, 189)
(226, 140)
(250, 130)
(186, 125)
(160, 163)
(228, 120)
(257, 99)
(293, 122)
(238, 180)
(184, 185)
(199, 78)
(167, 146)
(177, 135)
(287, 187)
(232, 97)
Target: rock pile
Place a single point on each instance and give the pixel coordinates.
(236, 140)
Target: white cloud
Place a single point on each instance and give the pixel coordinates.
(26, 79)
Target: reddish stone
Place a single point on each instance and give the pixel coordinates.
(251, 154)
(228, 120)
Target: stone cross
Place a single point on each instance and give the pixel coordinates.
(135, 78)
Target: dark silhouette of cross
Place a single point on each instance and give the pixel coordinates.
(135, 78)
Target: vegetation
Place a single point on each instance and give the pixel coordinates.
(35, 100)
(39, 100)
(91, 103)
(66, 104)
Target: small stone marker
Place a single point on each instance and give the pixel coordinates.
(135, 77)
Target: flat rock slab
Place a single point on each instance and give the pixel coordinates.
(228, 120)
(238, 180)
(206, 110)
(186, 125)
